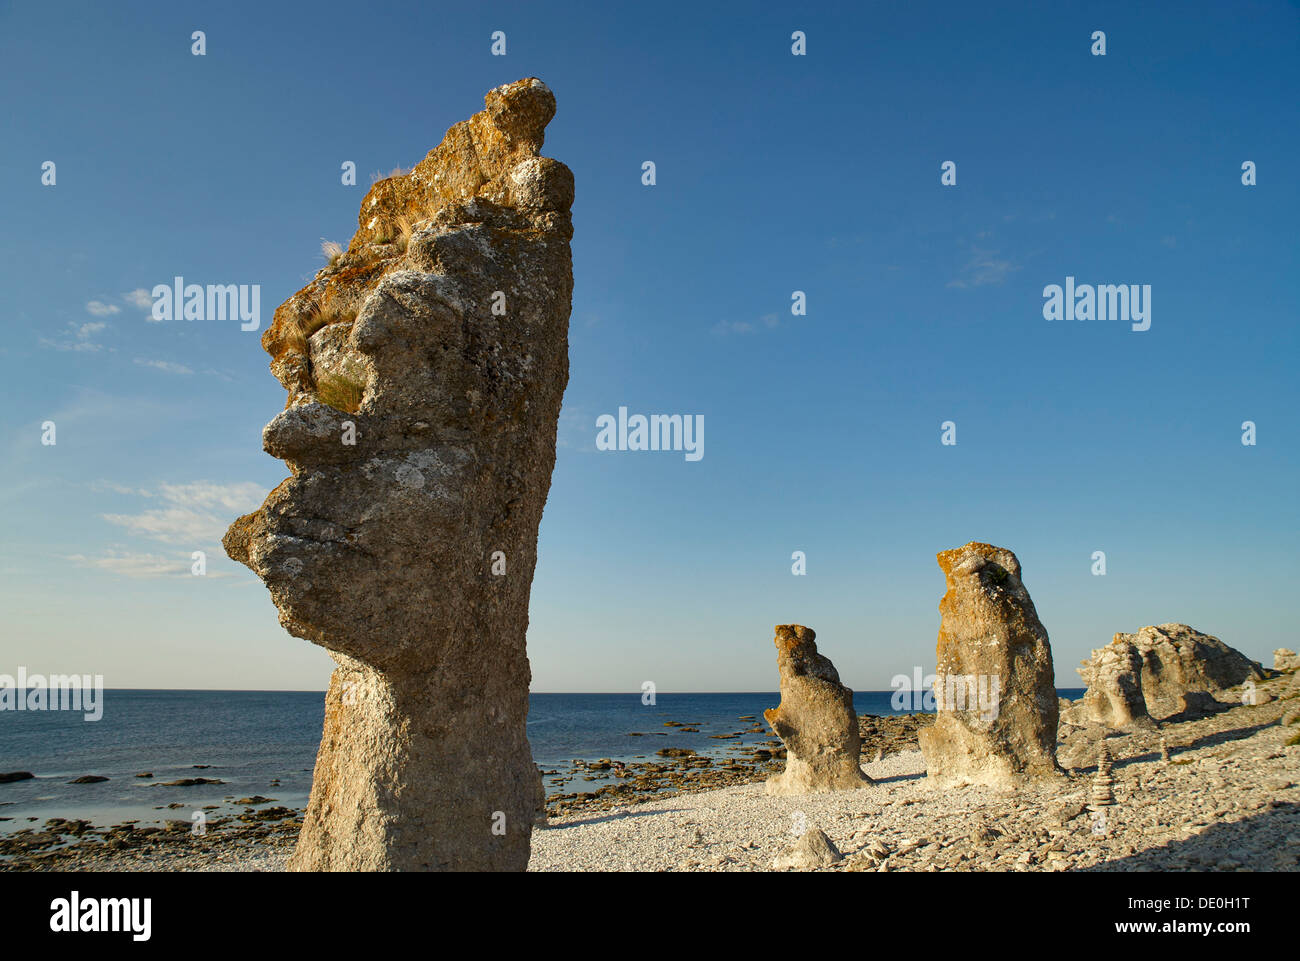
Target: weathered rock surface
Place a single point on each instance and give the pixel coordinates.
(425, 369)
(995, 691)
(813, 850)
(1113, 679)
(1148, 673)
(815, 719)
(1285, 659)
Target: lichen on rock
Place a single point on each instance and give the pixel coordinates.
(997, 719)
(379, 546)
(815, 720)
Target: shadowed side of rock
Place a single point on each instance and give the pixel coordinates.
(815, 719)
(425, 369)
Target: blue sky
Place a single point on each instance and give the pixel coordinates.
(775, 173)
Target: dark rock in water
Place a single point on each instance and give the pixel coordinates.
(16, 776)
(189, 782)
(88, 779)
(255, 799)
(145, 774)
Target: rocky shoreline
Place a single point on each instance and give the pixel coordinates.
(1225, 800)
(260, 838)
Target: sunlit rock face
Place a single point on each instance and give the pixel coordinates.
(425, 368)
(815, 720)
(995, 692)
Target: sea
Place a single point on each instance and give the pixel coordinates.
(263, 743)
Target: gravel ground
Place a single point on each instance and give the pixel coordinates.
(1225, 801)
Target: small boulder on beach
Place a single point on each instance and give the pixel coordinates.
(813, 850)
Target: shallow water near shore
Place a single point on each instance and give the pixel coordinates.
(263, 744)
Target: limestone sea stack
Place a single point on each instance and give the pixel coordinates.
(425, 367)
(815, 719)
(1150, 672)
(1114, 688)
(995, 693)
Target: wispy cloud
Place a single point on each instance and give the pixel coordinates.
(134, 565)
(101, 309)
(724, 327)
(79, 337)
(103, 485)
(733, 327)
(165, 365)
(196, 514)
(141, 299)
(984, 268)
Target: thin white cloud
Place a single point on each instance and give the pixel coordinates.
(984, 268)
(197, 514)
(79, 337)
(165, 365)
(139, 298)
(101, 309)
(142, 566)
(130, 564)
(103, 485)
(733, 327)
(724, 327)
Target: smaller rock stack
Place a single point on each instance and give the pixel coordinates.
(1164, 751)
(1102, 795)
(815, 720)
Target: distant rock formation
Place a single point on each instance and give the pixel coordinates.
(815, 719)
(1150, 672)
(1114, 688)
(995, 690)
(1285, 659)
(425, 368)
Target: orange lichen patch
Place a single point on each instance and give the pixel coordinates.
(470, 162)
(948, 558)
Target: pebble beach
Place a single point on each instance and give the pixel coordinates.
(1225, 800)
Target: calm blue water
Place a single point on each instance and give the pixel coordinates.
(251, 738)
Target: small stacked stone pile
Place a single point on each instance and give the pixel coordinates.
(1102, 796)
(1164, 751)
